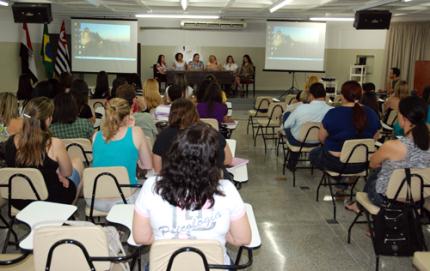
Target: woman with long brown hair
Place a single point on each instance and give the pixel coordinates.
(34, 147)
(10, 122)
(349, 121)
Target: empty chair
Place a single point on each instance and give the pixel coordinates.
(261, 107)
(267, 127)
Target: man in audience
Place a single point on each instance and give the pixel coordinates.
(393, 79)
(311, 112)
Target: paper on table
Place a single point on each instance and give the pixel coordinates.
(238, 162)
(231, 125)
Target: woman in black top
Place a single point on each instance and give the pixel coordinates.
(80, 91)
(102, 86)
(34, 147)
(183, 114)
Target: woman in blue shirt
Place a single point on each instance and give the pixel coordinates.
(349, 121)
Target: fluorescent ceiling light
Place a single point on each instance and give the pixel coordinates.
(4, 3)
(177, 16)
(331, 19)
(407, 0)
(184, 4)
(279, 5)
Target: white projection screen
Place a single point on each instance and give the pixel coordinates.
(295, 46)
(104, 45)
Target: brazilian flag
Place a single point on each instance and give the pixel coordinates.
(47, 53)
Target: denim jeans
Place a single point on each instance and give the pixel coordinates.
(370, 189)
(293, 157)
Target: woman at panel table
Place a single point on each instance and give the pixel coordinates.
(180, 202)
(34, 147)
(213, 64)
(179, 64)
(246, 72)
(196, 64)
(119, 143)
(161, 68)
(230, 65)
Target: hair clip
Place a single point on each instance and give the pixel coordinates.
(26, 116)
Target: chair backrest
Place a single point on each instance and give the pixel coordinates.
(162, 250)
(26, 184)
(229, 108)
(211, 122)
(69, 257)
(357, 150)
(102, 182)
(417, 174)
(309, 132)
(392, 117)
(80, 148)
(232, 145)
(262, 103)
(337, 99)
(275, 113)
(94, 103)
(289, 98)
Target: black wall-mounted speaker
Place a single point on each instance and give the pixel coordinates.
(372, 19)
(39, 13)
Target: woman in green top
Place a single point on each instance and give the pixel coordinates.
(66, 123)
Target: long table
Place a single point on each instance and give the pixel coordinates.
(196, 77)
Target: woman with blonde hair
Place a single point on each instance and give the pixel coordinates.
(213, 64)
(401, 90)
(304, 95)
(10, 122)
(151, 94)
(34, 147)
(119, 143)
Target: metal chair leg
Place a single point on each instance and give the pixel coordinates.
(264, 140)
(8, 233)
(294, 178)
(333, 200)
(377, 263)
(319, 186)
(352, 225)
(256, 135)
(351, 194)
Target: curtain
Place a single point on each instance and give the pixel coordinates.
(406, 43)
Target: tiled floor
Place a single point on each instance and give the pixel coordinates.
(295, 234)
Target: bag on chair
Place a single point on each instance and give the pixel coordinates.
(397, 227)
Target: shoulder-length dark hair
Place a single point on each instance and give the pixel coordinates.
(159, 59)
(213, 96)
(183, 113)
(352, 92)
(228, 57)
(190, 175)
(66, 109)
(177, 56)
(80, 90)
(102, 86)
(415, 110)
(249, 60)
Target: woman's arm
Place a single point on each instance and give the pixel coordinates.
(390, 150)
(142, 231)
(62, 157)
(228, 157)
(157, 163)
(323, 134)
(139, 139)
(240, 232)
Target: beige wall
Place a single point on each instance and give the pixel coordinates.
(337, 64)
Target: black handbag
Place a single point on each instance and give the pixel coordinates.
(397, 227)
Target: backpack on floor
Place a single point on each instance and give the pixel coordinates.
(397, 227)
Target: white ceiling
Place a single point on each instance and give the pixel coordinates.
(239, 9)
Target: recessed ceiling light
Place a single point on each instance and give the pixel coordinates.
(177, 16)
(4, 3)
(332, 19)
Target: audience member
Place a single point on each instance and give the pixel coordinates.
(369, 97)
(151, 94)
(48, 88)
(183, 115)
(66, 122)
(190, 186)
(25, 88)
(102, 86)
(196, 64)
(65, 79)
(145, 120)
(34, 147)
(309, 82)
(312, 112)
(80, 91)
(180, 80)
(401, 91)
(393, 79)
(163, 110)
(116, 83)
(10, 122)
(349, 121)
(212, 106)
(179, 64)
(213, 64)
(119, 144)
(134, 80)
(410, 151)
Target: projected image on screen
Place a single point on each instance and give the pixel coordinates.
(103, 41)
(295, 46)
(109, 45)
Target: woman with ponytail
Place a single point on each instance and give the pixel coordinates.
(120, 144)
(34, 147)
(349, 121)
(410, 151)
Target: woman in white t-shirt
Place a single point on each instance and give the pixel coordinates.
(230, 65)
(179, 64)
(188, 200)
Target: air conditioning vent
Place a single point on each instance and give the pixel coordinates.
(213, 25)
